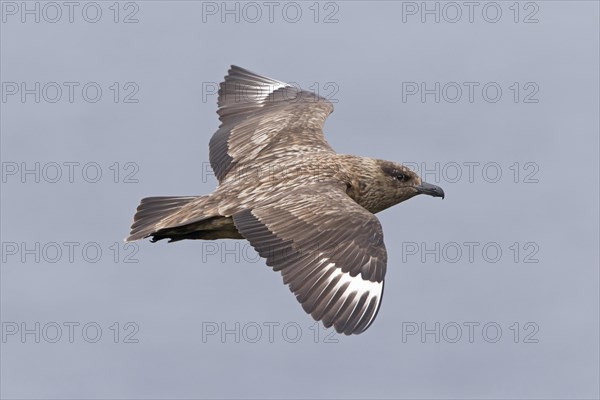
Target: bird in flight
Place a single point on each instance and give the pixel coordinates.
(306, 209)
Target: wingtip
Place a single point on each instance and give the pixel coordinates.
(234, 68)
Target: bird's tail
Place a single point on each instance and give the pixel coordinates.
(152, 212)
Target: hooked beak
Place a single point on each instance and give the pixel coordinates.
(431, 190)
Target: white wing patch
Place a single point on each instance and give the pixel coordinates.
(266, 89)
(354, 284)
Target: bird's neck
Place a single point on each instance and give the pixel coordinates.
(361, 175)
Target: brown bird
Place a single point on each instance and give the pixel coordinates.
(303, 207)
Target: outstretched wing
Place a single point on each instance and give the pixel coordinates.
(329, 250)
(260, 114)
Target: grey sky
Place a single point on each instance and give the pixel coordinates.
(540, 134)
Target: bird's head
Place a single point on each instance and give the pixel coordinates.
(405, 183)
(390, 183)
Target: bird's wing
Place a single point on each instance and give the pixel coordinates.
(329, 250)
(260, 114)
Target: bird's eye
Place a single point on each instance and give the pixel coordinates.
(401, 177)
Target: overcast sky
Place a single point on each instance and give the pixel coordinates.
(490, 293)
